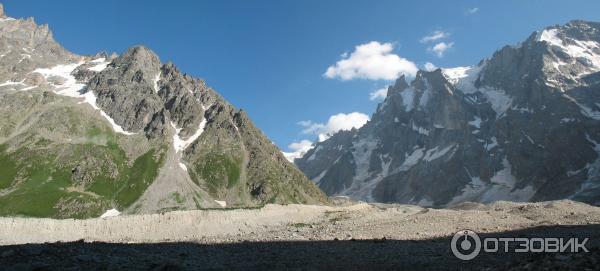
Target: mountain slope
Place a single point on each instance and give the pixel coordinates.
(80, 135)
(523, 125)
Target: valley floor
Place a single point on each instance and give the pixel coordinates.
(350, 236)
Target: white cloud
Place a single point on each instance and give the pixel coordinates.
(472, 10)
(302, 145)
(335, 123)
(440, 48)
(373, 61)
(298, 148)
(305, 123)
(429, 66)
(436, 35)
(379, 94)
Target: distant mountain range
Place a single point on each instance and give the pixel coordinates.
(80, 135)
(523, 125)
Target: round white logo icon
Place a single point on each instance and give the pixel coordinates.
(465, 245)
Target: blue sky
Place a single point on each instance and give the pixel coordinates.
(270, 57)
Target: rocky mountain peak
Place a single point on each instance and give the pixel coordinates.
(25, 46)
(523, 125)
(398, 86)
(137, 135)
(141, 55)
(2, 15)
(570, 53)
(580, 30)
(433, 81)
(140, 61)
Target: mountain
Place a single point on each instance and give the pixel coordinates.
(80, 135)
(523, 125)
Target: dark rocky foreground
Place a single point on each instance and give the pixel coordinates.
(378, 254)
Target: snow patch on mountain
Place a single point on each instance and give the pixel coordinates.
(454, 75)
(463, 78)
(579, 50)
(408, 96)
(476, 122)
(550, 36)
(182, 144)
(110, 213)
(470, 192)
(424, 99)
(101, 64)
(155, 81)
(498, 99)
(221, 203)
(70, 87)
(411, 159)
(363, 149)
(312, 157)
(362, 154)
(435, 153)
(593, 170)
(420, 130)
(317, 179)
(586, 111)
(117, 128)
(492, 144)
(501, 187)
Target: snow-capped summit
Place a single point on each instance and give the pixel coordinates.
(523, 125)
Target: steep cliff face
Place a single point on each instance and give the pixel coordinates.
(523, 125)
(83, 134)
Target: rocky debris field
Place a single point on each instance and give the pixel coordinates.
(349, 236)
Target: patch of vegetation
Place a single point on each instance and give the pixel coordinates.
(42, 188)
(99, 136)
(80, 175)
(197, 202)
(79, 206)
(219, 171)
(132, 181)
(177, 198)
(46, 188)
(301, 225)
(140, 176)
(103, 185)
(8, 168)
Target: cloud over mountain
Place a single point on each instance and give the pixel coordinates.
(372, 61)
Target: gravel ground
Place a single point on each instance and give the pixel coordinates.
(349, 237)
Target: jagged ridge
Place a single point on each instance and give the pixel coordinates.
(83, 134)
(523, 125)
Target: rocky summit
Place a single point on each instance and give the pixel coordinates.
(83, 135)
(523, 125)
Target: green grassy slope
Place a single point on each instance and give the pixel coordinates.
(65, 161)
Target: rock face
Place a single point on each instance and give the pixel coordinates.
(80, 135)
(523, 125)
